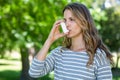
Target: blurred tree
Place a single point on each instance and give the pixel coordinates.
(111, 30)
(25, 24)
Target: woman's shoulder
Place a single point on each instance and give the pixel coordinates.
(100, 57)
(100, 52)
(57, 49)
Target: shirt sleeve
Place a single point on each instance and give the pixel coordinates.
(40, 68)
(103, 67)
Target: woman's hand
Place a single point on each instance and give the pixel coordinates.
(55, 33)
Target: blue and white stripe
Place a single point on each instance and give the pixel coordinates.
(69, 65)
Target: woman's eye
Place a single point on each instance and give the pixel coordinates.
(72, 19)
(64, 20)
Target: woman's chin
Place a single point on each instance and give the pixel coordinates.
(69, 36)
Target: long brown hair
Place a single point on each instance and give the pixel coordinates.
(89, 31)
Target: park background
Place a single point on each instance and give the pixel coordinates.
(25, 25)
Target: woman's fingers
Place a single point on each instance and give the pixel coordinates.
(55, 32)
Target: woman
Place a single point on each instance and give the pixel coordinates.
(84, 56)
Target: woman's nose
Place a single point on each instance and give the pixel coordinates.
(67, 24)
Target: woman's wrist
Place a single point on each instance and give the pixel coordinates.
(48, 42)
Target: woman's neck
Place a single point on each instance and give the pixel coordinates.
(78, 44)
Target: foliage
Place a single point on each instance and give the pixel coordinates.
(111, 29)
(107, 22)
(25, 23)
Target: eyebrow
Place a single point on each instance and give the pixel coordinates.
(69, 18)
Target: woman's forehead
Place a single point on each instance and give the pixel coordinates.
(68, 13)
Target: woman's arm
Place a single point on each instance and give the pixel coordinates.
(54, 35)
(103, 67)
(104, 72)
(40, 65)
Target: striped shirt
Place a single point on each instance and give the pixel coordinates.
(70, 65)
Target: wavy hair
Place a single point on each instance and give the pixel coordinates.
(89, 31)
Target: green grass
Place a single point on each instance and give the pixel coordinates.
(10, 70)
(9, 75)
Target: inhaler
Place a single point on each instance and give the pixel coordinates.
(65, 30)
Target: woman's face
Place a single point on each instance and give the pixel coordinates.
(72, 24)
